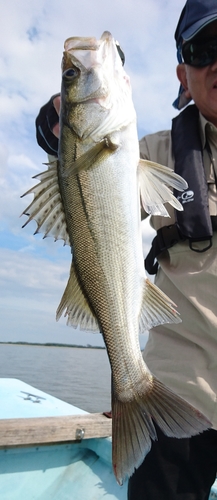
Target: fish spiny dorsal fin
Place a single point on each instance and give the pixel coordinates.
(46, 208)
(154, 180)
(76, 307)
(156, 309)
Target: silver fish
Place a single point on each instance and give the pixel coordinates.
(91, 199)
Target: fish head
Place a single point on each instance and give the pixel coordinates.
(94, 84)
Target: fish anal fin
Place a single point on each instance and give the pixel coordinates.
(76, 307)
(157, 308)
(155, 182)
(133, 428)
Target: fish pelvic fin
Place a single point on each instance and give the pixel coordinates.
(90, 159)
(157, 308)
(154, 180)
(46, 208)
(76, 307)
(133, 425)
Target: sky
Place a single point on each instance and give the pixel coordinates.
(33, 271)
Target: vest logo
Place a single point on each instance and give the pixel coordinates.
(186, 197)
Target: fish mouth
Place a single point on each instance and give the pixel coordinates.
(81, 43)
(85, 51)
(91, 52)
(86, 43)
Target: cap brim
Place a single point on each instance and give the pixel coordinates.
(196, 27)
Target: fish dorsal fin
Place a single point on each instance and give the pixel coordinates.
(157, 308)
(154, 180)
(76, 307)
(46, 208)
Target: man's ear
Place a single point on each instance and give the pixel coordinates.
(182, 76)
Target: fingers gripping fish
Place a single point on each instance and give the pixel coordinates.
(90, 198)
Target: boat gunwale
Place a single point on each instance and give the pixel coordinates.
(57, 429)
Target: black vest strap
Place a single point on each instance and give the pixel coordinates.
(166, 238)
(194, 223)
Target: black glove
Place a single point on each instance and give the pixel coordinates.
(45, 121)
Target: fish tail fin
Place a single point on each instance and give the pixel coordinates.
(133, 426)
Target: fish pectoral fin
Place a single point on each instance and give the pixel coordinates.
(157, 308)
(133, 424)
(76, 307)
(46, 208)
(91, 158)
(154, 180)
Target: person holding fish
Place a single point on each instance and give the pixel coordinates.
(181, 355)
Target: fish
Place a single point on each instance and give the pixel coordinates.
(91, 199)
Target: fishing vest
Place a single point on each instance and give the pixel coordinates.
(194, 222)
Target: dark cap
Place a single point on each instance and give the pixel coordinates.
(195, 15)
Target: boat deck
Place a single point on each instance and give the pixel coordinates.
(46, 448)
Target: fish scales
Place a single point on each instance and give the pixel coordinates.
(102, 241)
(100, 180)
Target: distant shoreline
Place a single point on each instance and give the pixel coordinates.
(51, 344)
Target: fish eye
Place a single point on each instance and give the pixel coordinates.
(70, 73)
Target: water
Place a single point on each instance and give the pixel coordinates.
(78, 376)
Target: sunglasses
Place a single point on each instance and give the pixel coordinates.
(200, 53)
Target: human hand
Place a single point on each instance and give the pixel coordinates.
(47, 126)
